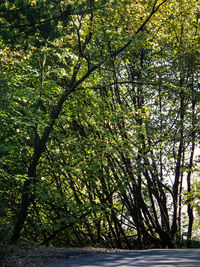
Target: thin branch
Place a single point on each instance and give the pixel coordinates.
(153, 11)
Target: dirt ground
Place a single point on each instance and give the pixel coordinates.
(39, 256)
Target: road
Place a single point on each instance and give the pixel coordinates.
(150, 258)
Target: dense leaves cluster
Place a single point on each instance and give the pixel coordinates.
(99, 117)
(35, 20)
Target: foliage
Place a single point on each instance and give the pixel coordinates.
(99, 121)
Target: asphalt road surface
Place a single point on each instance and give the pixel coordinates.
(150, 258)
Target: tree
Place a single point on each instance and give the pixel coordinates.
(70, 85)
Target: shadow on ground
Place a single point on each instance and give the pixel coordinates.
(152, 258)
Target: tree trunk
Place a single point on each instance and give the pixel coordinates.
(190, 208)
(27, 195)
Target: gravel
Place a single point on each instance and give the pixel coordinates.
(39, 256)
